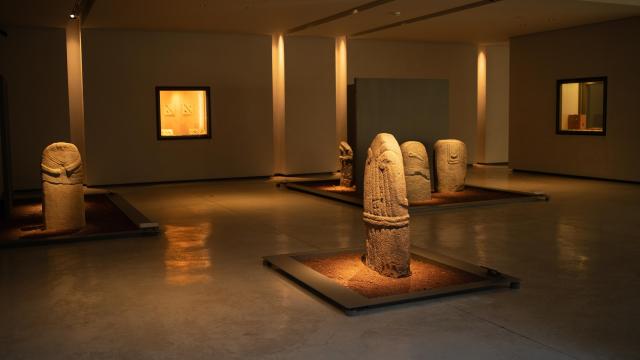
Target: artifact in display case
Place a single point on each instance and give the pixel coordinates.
(451, 165)
(582, 105)
(63, 192)
(386, 209)
(416, 171)
(183, 112)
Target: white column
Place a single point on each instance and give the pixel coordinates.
(75, 87)
(277, 72)
(481, 106)
(341, 89)
(493, 103)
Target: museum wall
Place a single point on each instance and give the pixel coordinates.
(419, 109)
(537, 61)
(121, 71)
(497, 104)
(310, 103)
(33, 62)
(415, 60)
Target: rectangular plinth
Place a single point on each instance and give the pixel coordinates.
(339, 277)
(471, 196)
(108, 215)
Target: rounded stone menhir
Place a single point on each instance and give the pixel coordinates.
(386, 209)
(63, 192)
(416, 171)
(451, 164)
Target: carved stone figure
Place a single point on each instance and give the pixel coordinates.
(386, 209)
(451, 164)
(416, 171)
(346, 162)
(62, 177)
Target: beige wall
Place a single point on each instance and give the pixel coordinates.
(121, 70)
(310, 105)
(537, 61)
(33, 61)
(406, 60)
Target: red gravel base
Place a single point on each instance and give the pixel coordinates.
(101, 214)
(336, 188)
(469, 194)
(349, 271)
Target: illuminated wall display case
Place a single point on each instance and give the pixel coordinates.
(183, 112)
(582, 106)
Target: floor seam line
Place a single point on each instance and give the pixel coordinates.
(515, 332)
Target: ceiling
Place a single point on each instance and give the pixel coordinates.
(488, 23)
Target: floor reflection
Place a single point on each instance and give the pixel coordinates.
(187, 259)
(570, 254)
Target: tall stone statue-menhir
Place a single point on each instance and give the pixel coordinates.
(346, 164)
(451, 164)
(416, 171)
(62, 178)
(386, 209)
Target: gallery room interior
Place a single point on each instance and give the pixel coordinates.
(320, 179)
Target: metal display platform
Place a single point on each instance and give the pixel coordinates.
(308, 186)
(352, 302)
(143, 227)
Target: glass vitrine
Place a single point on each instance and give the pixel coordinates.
(582, 106)
(183, 112)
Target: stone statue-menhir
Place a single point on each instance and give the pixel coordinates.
(346, 162)
(386, 209)
(62, 178)
(416, 171)
(451, 164)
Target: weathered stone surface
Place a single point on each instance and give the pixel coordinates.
(451, 164)
(63, 194)
(386, 209)
(416, 171)
(346, 162)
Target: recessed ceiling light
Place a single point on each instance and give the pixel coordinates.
(395, 13)
(73, 16)
(355, 11)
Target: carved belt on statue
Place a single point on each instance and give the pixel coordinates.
(54, 175)
(392, 221)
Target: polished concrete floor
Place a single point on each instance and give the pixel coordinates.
(200, 290)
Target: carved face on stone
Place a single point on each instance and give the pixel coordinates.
(416, 171)
(345, 150)
(62, 164)
(451, 164)
(386, 192)
(415, 159)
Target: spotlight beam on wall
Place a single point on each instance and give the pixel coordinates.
(349, 12)
(427, 16)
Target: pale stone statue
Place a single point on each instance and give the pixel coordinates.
(346, 162)
(386, 209)
(62, 177)
(416, 171)
(451, 164)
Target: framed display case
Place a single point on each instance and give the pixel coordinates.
(183, 112)
(581, 106)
